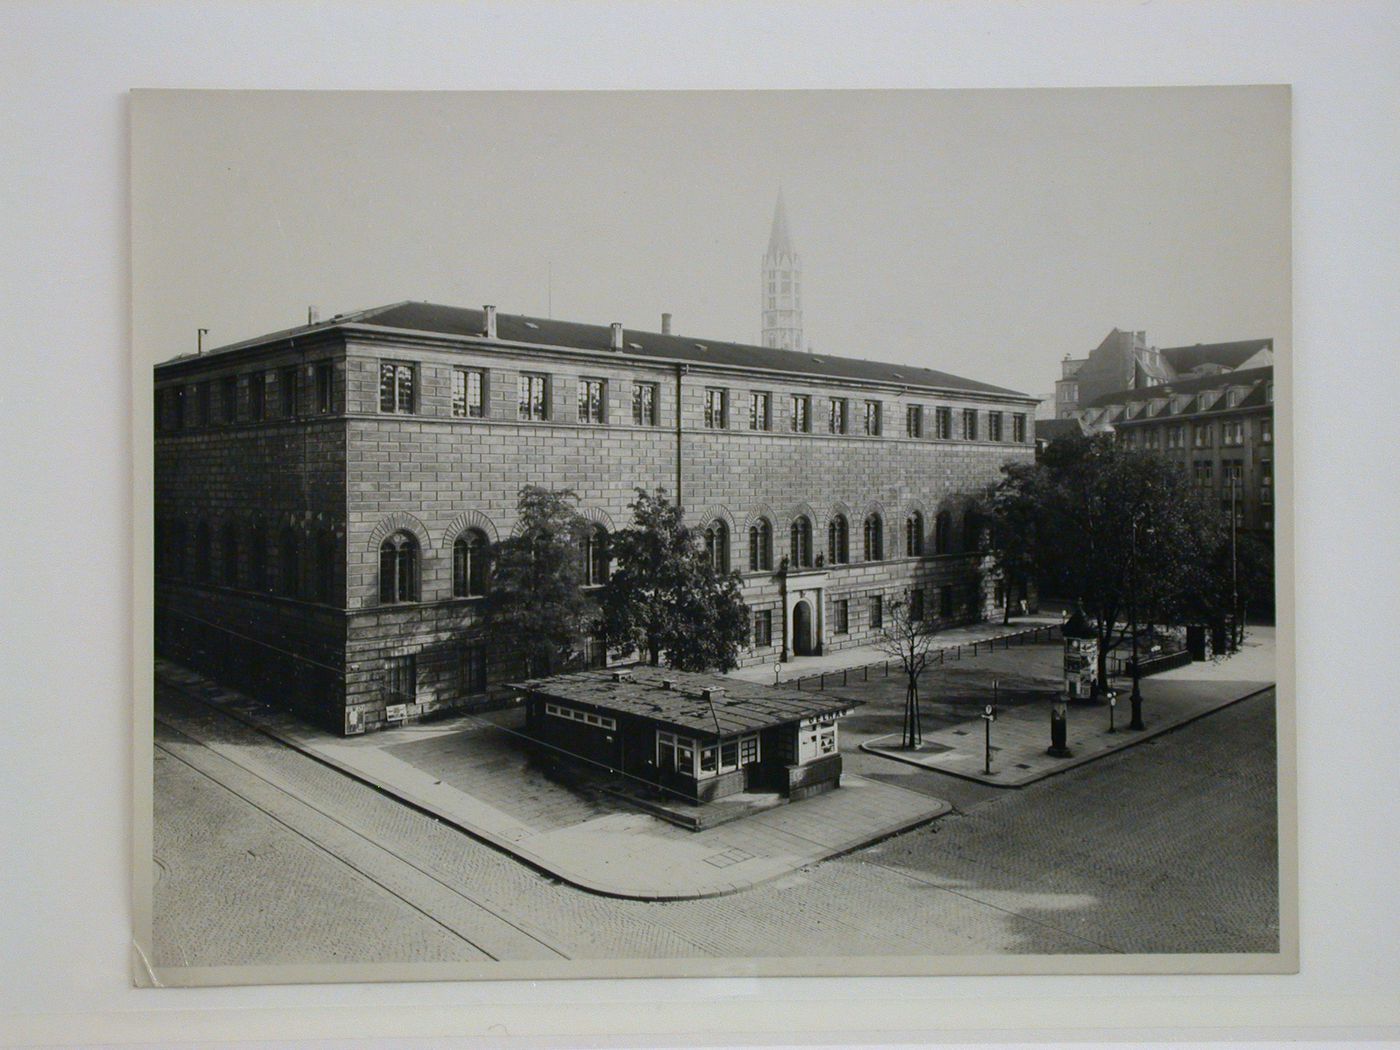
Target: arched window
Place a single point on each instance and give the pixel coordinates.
(972, 532)
(838, 541)
(469, 564)
(289, 563)
(228, 553)
(717, 546)
(257, 558)
(874, 538)
(942, 532)
(202, 552)
(595, 557)
(914, 535)
(760, 546)
(801, 553)
(398, 569)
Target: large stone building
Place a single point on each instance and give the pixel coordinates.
(1125, 361)
(326, 496)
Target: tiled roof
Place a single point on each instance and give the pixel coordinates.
(1243, 377)
(743, 707)
(1229, 355)
(518, 328)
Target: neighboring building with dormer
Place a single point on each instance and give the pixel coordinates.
(327, 497)
(1125, 361)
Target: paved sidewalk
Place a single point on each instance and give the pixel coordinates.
(865, 655)
(608, 849)
(1020, 735)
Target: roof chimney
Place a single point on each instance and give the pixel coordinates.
(617, 335)
(313, 314)
(665, 324)
(489, 312)
(668, 683)
(622, 676)
(715, 692)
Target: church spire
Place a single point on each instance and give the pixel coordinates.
(779, 240)
(782, 285)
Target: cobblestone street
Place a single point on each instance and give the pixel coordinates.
(267, 856)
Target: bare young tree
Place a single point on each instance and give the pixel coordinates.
(907, 635)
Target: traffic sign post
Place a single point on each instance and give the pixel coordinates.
(989, 715)
(1112, 703)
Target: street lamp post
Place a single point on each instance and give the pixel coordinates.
(1112, 704)
(1136, 696)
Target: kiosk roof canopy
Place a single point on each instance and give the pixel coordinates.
(643, 692)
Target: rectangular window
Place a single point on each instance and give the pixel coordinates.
(763, 628)
(993, 426)
(877, 611)
(1204, 473)
(396, 387)
(589, 718)
(325, 387)
(468, 393)
(748, 750)
(401, 679)
(872, 418)
(1231, 472)
(916, 605)
(1018, 428)
(644, 404)
(1266, 431)
(914, 421)
(943, 423)
(801, 413)
(473, 669)
(203, 395)
(836, 417)
(969, 422)
(1232, 433)
(1154, 438)
(591, 399)
(714, 408)
(1266, 481)
(287, 384)
(534, 397)
(1205, 435)
(1176, 437)
(257, 397)
(760, 411)
(228, 399)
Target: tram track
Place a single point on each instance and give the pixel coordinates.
(414, 885)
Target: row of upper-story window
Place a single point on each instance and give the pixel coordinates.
(274, 394)
(1232, 433)
(243, 555)
(271, 393)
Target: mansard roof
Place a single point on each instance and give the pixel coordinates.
(547, 332)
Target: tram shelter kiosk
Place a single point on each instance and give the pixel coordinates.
(700, 736)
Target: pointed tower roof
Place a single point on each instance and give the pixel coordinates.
(779, 240)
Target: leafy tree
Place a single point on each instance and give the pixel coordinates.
(1122, 530)
(664, 598)
(536, 604)
(907, 635)
(1011, 509)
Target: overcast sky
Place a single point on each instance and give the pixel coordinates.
(987, 234)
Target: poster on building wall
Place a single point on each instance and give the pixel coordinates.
(487, 446)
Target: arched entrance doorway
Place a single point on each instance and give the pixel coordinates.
(802, 641)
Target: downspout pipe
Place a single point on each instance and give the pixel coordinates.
(681, 370)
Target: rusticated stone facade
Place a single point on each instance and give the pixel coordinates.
(272, 522)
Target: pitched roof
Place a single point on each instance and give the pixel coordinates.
(1228, 355)
(1240, 377)
(518, 328)
(1050, 429)
(742, 707)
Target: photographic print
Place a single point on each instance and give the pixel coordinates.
(712, 533)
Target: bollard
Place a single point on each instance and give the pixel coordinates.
(843, 677)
